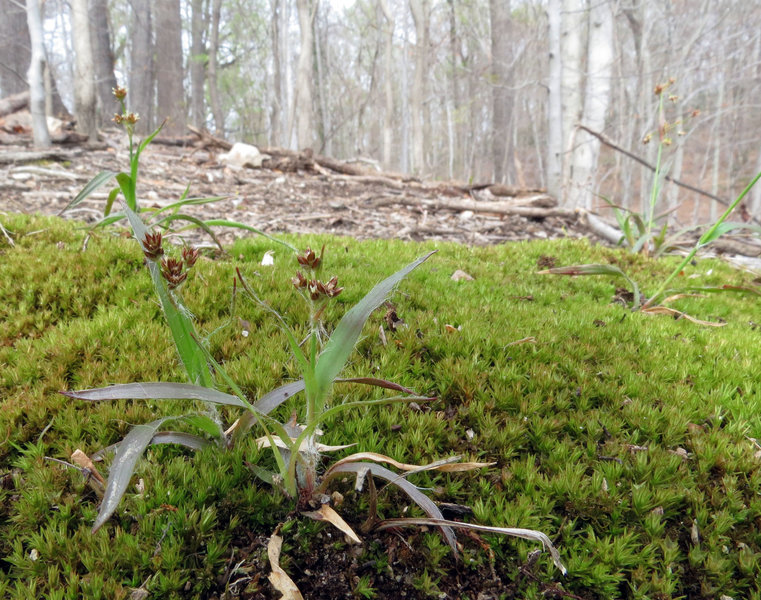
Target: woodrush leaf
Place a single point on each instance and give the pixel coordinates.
(188, 440)
(96, 182)
(180, 325)
(526, 534)
(415, 494)
(341, 344)
(157, 391)
(279, 578)
(128, 452)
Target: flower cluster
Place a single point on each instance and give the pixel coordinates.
(173, 270)
(314, 289)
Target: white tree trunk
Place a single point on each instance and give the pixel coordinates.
(35, 76)
(85, 97)
(304, 79)
(554, 103)
(419, 10)
(596, 99)
(573, 43)
(388, 76)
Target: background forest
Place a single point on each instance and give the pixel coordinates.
(465, 89)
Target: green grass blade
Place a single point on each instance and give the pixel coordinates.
(183, 331)
(129, 451)
(110, 201)
(341, 344)
(194, 442)
(157, 391)
(187, 202)
(165, 221)
(96, 182)
(236, 224)
(271, 400)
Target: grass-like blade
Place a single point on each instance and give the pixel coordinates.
(271, 400)
(194, 442)
(596, 269)
(341, 344)
(526, 534)
(194, 222)
(418, 497)
(236, 224)
(157, 391)
(128, 452)
(183, 331)
(96, 182)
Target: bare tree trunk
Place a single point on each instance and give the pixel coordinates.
(388, 90)
(170, 92)
(35, 76)
(501, 93)
(323, 89)
(15, 52)
(85, 99)
(419, 10)
(596, 99)
(554, 103)
(103, 54)
(573, 43)
(277, 108)
(453, 107)
(304, 77)
(211, 69)
(197, 64)
(141, 96)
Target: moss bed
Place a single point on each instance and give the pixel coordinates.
(628, 438)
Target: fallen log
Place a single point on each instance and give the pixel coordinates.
(31, 156)
(500, 208)
(11, 104)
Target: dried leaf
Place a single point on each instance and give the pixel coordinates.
(460, 275)
(267, 259)
(279, 578)
(81, 459)
(263, 442)
(446, 465)
(665, 310)
(326, 513)
(526, 534)
(527, 340)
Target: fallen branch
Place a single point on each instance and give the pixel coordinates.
(500, 208)
(20, 157)
(11, 104)
(646, 164)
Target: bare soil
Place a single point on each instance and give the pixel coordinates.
(276, 199)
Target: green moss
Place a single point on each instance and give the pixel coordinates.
(619, 434)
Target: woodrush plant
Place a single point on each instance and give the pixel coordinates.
(295, 447)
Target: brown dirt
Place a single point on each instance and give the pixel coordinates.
(312, 200)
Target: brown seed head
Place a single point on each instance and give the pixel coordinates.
(310, 259)
(299, 282)
(119, 93)
(171, 269)
(190, 256)
(152, 245)
(131, 118)
(331, 288)
(118, 119)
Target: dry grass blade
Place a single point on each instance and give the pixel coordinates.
(665, 310)
(526, 534)
(279, 578)
(81, 459)
(326, 513)
(446, 465)
(263, 442)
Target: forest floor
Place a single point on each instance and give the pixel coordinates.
(287, 197)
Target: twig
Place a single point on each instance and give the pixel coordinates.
(646, 164)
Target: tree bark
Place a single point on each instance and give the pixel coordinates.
(573, 42)
(140, 98)
(197, 61)
(40, 131)
(170, 95)
(554, 103)
(85, 99)
(419, 10)
(388, 77)
(211, 69)
(596, 98)
(501, 92)
(100, 38)
(15, 46)
(304, 77)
